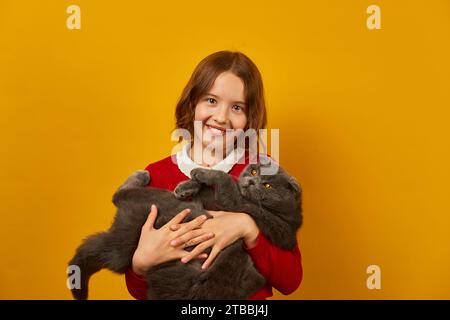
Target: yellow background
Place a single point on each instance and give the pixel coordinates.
(363, 118)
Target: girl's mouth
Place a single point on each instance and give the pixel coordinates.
(217, 131)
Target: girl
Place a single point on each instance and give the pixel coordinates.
(224, 92)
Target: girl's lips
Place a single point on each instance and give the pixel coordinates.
(216, 130)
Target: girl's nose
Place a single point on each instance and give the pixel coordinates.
(221, 114)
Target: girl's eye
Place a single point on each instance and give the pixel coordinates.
(268, 185)
(253, 172)
(211, 100)
(237, 108)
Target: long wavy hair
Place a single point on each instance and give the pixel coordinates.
(203, 78)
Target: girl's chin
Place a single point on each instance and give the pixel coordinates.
(212, 142)
(209, 138)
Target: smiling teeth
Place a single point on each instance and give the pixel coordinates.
(216, 131)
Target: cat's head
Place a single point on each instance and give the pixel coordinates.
(278, 192)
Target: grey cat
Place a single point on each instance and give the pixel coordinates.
(273, 201)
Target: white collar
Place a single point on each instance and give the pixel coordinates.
(186, 164)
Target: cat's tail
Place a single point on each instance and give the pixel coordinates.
(90, 257)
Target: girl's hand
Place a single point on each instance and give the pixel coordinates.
(154, 244)
(227, 228)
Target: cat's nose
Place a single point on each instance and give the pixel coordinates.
(248, 182)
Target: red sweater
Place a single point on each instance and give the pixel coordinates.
(282, 269)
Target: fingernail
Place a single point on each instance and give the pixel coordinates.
(173, 242)
(204, 266)
(184, 260)
(153, 207)
(203, 217)
(210, 234)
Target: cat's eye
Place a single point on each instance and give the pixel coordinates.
(253, 172)
(268, 185)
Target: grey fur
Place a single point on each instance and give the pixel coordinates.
(276, 211)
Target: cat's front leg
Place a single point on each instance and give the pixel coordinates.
(209, 177)
(187, 189)
(226, 192)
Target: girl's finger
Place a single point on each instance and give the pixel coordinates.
(179, 217)
(191, 225)
(202, 256)
(199, 239)
(212, 255)
(199, 257)
(188, 238)
(197, 250)
(149, 223)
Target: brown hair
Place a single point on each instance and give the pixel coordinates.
(203, 78)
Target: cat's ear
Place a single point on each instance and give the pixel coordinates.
(294, 185)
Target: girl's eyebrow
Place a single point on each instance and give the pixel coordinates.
(212, 94)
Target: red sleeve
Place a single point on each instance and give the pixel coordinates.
(136, 284)
(281, 268)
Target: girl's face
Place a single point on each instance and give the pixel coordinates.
(223, 107)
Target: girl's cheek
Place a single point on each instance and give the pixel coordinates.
(201, 113)
(239, 122)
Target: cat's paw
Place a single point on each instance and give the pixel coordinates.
(208, 176)
(200, 174)
(186, 189)
(142, 177)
